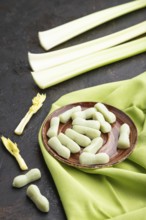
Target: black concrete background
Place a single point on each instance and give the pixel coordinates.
(20, 21)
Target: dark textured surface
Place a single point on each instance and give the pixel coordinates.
(20, 21)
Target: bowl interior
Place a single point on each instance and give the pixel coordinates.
(110, 140)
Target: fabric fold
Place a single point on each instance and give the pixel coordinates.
(117, 192)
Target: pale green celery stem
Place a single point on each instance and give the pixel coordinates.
(21, 162)
(52, 76)
(46, 60)
(20, 128)
(55, 36)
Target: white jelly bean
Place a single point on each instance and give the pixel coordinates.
(124, 140)
(66, 116)
(69, 143)
(39, 200)
(61, 150)
(30, 176)
(54, 125)
(80, 139)
(85, 114)
(89, 132)
(105, 127)
(91, 159)
(108, 115)
(95, 145)
(88, 123)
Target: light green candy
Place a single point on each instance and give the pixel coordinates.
(90, 132)
(92, 159)
(69, 143)
(124, 141)
(105, 127)
(54, 125)
(80, 139)
(39, 200)
(30, 176)
(95, 145)
(66, 116)
(61, 150)
(108, 115)
(87, 123)
(85, 114)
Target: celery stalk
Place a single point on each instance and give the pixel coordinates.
(14, 150)
(46, 60)
(52, 76)
(55, 36)
(37, 103)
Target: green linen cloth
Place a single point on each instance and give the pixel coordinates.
(118, 192)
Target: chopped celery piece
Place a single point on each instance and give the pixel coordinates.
(37, 103)
(46, 60)
(52, 76)
(14, 150)
(55, 36)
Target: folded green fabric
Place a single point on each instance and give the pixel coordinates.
(117, 192)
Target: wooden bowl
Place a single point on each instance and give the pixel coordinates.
(110, 139)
